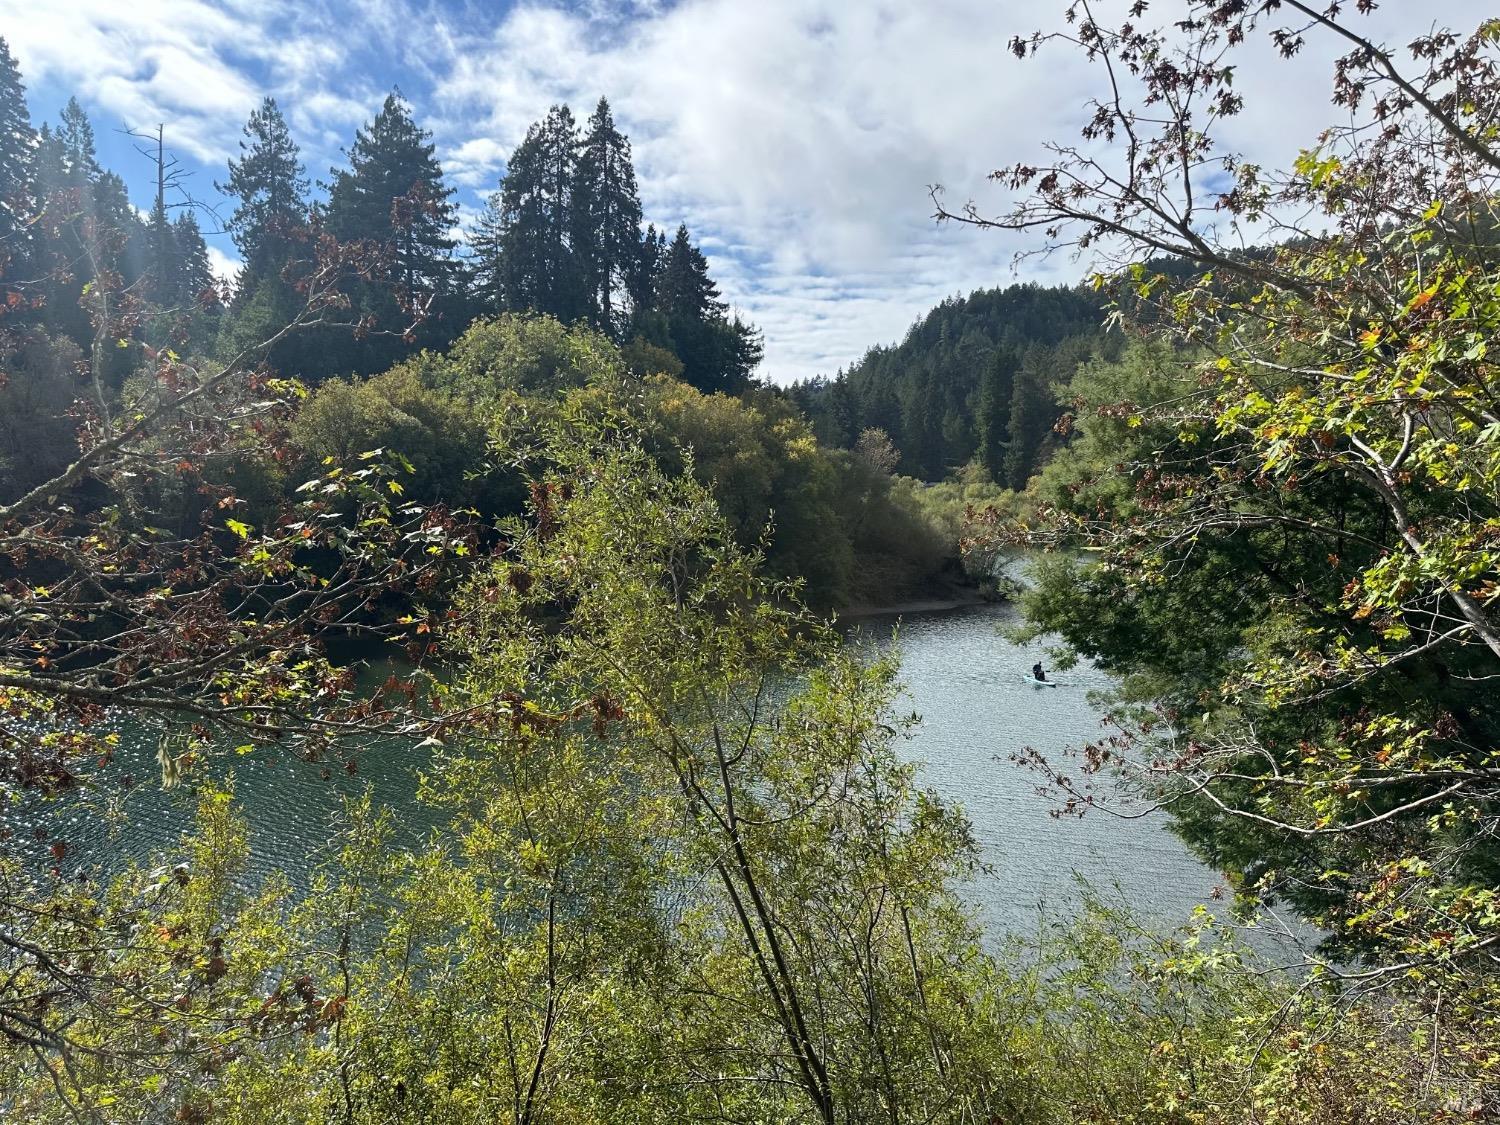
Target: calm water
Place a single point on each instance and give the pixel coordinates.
(965, 680)
(962, 676)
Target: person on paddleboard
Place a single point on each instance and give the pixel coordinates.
(1037, 673)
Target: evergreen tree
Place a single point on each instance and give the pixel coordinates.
(268, 183)
(17, 166)
(259, 313)
(922, 452)
(193, 276)
(76, 133)
(640, 282)
(881, 408)
(1032, 412)
(393, 196)
(717, 353)
(92, 231)
(607, 219)
(485, 243)
(183, 293)
(843, 415)
(992, 410)
(393, 193)
(157, 249)
(830, 405)
(952, 350)
(534, 254)
(683, 288)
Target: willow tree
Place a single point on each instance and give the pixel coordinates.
(740, 873)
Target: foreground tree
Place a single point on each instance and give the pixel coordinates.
(688, 875)
(1297, 527)
(139, 589)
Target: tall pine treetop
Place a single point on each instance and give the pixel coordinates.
(193, 275)
(684, 287)
(392, 158)
(269, 184)
(537, 265)
(17, 156)
(77, 136)
(641, 282)
(606, 218)
(393, 193)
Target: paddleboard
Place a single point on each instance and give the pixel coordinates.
(1034, 682)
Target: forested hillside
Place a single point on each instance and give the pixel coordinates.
(976, 379)
(358, 290)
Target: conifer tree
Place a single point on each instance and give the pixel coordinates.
(485, 243)
(922, 452)
(640, 282)
(1031, 415)
(717, 353)
(841, 416)
(393, 197)
(607, 219)
(17, 167)
(271, 189)
(393, 193)
(76, 133)
(683, 288)
(996, 387)
(91, 227)
(193, 275)
(183, 290)
(535, 258)
(101, 195)
(158, 251)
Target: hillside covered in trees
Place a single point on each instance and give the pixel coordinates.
(976, 379)
(560, 257)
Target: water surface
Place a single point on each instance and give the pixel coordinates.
(966, 680)
(962, 676)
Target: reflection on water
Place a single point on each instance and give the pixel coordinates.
(963, 678)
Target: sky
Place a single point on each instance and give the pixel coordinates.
(797, 139)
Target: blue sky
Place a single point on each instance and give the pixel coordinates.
(796, 138)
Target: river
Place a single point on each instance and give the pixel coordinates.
(965, 680)
(962, 676)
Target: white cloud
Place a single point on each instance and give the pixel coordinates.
(225, 267)
(797, 138)
(148, 61)
(201, 66)
(475, 163)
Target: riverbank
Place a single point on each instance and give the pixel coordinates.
(966, 600)
(947, 590)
